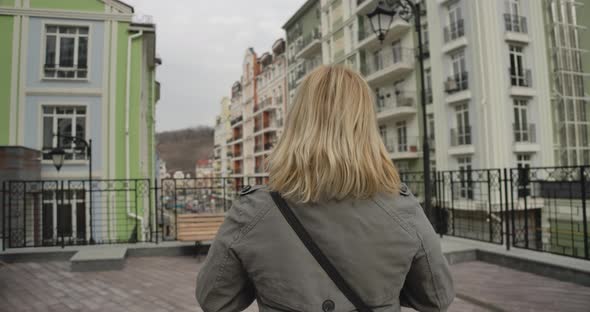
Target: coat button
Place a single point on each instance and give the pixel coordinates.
(328, 306)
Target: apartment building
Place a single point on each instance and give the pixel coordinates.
(304, 43)
(268, 112)
(221, 163)
(568, 38)
(258, 103)
(491, 87)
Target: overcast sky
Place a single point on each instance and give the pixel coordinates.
(202, 45)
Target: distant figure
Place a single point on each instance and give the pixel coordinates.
(331, 167)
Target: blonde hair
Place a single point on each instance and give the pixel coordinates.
(330, 147)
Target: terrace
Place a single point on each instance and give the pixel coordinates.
(486, 279)
(515, 239)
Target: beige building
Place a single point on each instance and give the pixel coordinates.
(256, 115)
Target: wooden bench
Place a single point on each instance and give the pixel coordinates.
(198, 227)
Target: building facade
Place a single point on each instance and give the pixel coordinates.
(567, 24)
(221, 163)
(304, 43)
(258, 105)
(86, 69)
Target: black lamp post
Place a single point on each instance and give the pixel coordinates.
(380, 20)
(58, 156)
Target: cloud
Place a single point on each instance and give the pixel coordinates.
(202, 44)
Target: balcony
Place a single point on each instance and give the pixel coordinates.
(454, 31)
(389, 65)
(457, 87)
(236, 121)
(461, 136)
(461, 142)
(454, 36)
(310, 44)
(515, 23)
(264, 105)
(403, 148)
(399, 106)
(525, 138)
(521, 82)
(368, 40)
(364, 6)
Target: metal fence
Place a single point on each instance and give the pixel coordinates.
(543, 209)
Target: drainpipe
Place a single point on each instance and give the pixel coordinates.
(484, 83)
(127, 104)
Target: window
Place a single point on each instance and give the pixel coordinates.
(63, 215)
(66, 52)
(459, 70)
(67, 121)
(518, 73)
(523, 160)
(455, 28)
(402, 138)
(396, 48)
(521, 125)
(463, 126)
(466, 180)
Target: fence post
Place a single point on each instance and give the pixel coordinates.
(452, 202)
(156, 201)
(584, 214)
(4, 195)
(512, 217)
(136, 214)
(506, 217)
(61, 197)
(490, 205)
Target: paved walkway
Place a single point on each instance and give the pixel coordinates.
(167, 284)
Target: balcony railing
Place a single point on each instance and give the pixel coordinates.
(259, 169)
(457, 82)
(399, 100)
(454, 31)
(461, 136)
(315, 34)
(520, 77)
(236, 120)
(268, 146)
(515, 23)
(524, 133)
(229, 154)
(238, 153)
(407, 144)
(386, 58)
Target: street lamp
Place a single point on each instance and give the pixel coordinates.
(58, 156)
(380, 20)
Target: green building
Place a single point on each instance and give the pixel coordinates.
(87, 69)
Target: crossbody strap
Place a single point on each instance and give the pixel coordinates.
(317, 253)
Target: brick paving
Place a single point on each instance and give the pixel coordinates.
(167, 284)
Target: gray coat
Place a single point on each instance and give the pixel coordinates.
(385, 247)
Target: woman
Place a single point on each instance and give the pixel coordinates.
(332, 168)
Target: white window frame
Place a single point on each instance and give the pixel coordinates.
(402, 136)
(463, 124)
(41, 136)
(465, 167)
(43, 48)
(524, 159)
(521, 122)
(72, 203)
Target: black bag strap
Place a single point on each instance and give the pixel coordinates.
(317, 253)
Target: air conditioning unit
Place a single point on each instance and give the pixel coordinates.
(451, 85)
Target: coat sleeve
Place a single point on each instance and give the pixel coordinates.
(429, 285)
(223, 283)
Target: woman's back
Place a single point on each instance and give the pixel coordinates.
(383, 246)
(331, 164)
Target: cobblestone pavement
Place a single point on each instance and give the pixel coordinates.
(167, 284)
